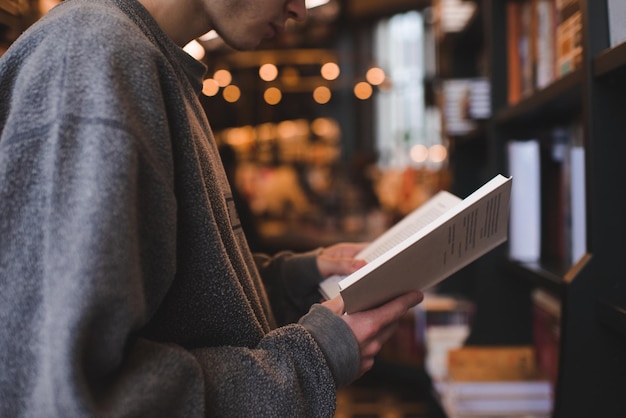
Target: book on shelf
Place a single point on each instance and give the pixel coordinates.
(568, 36)
(501, 389)
(576, 163)
(531, 46)
(465, 100)
(555, 194)
(545, 42)
(525, 227)
(446, 321)
(492, 363)
(494, 407)
(546, 329)
(495, 381)
(513, 29)
(617, 17)
(434, 241)
(548, 201)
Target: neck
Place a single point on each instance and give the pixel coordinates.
(182, 21)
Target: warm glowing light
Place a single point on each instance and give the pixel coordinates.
(322, 94)
(240, 137)
(326, 128)
(290, 76)
(266, 131)
(287, 129)
(223, 77)
(363, 90)
(210, 87)
(375, 76)
(272, 96)
(194, 49)
(330, 71)
(438, 153)
(231, 93)
(419, 153)
(321, 126)
(268, 72)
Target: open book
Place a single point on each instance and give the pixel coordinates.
(437, 239)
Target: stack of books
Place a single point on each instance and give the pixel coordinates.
(495, 382)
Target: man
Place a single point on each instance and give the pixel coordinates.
(126, 284)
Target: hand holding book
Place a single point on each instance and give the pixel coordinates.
(436, 240)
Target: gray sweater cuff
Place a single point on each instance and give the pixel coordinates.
(336, 341)
(304, 267)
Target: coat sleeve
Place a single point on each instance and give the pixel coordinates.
(291, 281)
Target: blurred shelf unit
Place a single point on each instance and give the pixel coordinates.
(558, 77)
(10, 21)
(16, 16)
(461, 86)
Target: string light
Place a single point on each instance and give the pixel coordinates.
(231, 93)
(375, 76)
(272, 96)
(268, 72)
(363, 90)
(437, 153)
(210, 87)
(223, 77)
(322, 94)
(330, 71)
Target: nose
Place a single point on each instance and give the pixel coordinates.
(296, 10)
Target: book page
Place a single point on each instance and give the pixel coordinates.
(409, 225)
(402, 230)
(465, 232)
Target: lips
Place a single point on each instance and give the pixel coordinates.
(271, 31)
(274, 30)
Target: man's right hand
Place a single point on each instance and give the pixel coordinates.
(373, 327)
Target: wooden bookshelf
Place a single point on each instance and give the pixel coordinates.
(610, 61)
(552, 104)
(612, 316)
(546, 275)
(592, 288)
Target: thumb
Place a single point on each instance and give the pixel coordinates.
(336, 305)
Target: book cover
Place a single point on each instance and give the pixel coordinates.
(453, 239)
(492, 363)
(513, 57)
(501, 389)
(555, 195)
(546, 317)
(545, 42)
(617, 17)
(499, 398)
(525, 166)
(568, 36)
(578, 197)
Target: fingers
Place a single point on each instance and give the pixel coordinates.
(373, 327)
(339, 259)
(394, 309)
(344, 250)
(343, 266)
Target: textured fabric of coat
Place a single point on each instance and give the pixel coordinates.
(126, 284)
